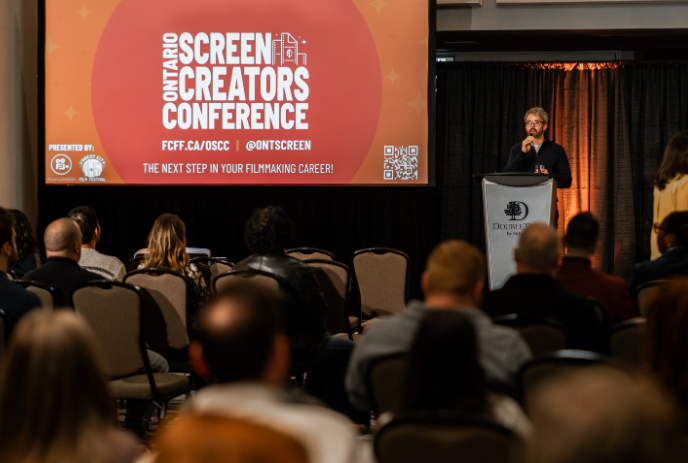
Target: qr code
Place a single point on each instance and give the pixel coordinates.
(401, 163)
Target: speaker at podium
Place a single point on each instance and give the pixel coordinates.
(511, 202)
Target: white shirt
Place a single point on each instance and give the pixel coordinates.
(328, 436)
(110, 268)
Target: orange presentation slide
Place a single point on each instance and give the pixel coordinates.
(236, 92)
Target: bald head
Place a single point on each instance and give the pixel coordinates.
(538, 249)
(62, 238)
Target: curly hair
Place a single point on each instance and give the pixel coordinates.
(26, 243)
(268, 230)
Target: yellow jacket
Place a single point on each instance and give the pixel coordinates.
(674, 197)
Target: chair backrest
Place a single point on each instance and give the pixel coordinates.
(264, 279)
(646, 293)
(546, 365)
(412, 438)
(211, 267)
(172, 293)
(49, 296)
(626, 340)
(133, 263)
(192, 252)
(310, 254)
(114, 311)
(386, 378)
(382, 275)
(334, 279)
(541, 334)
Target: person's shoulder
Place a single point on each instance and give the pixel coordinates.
(556, 146)
(610, 280)
(20, 296)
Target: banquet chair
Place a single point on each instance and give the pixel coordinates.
(134, 262)
(264, 279)
(386, 377)
(443, 436)
(49, 296)
(211, 267)
(646, 293)
(626, 340)
(541, 334)
(382, 276)
(310, 254)
(115, 313)
(335, 281)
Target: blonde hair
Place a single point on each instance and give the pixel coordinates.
(54, 403)
(167, 244)
(454, 266)
(214, 439)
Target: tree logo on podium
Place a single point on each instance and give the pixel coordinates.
(518, 210)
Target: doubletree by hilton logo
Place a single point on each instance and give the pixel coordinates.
(517, 210)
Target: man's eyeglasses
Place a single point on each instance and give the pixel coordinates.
(658, 227)
(534, 123)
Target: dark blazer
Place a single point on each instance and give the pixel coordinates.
(15, 300)
(63, 274)
(543, 296)
(579, 277)
(673, 262)
(26, 264)
(551, 155)
(307, 312)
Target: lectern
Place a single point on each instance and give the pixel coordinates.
(511, 202)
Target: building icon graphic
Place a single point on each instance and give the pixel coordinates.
(287, 49)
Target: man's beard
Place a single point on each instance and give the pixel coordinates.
(537, 134)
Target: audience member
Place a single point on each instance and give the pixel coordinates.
(666, 342)
(28, 257)
(534, 291)
(14, 300)
(54, 403)
(453, 279)
(577, 275)
(268, 231)
(167, 249)
(672, 241)
(600, 415)
(242, 351)
(215, 439)
(671, 185)
(62, 240)
(433, 383)
(110, 268)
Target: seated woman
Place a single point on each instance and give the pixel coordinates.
(28, 256)
(167, 249)
(665, 346)
(54, 403)
(435, 383)
(672, 241)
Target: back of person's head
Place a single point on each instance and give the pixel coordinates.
(237, 332)
(53, 398)
(599, 415)
(26, 243)
(666, 340)
(677, 223)
(538, 248)
(454, 267)
(269, 229)
(7, 223)
(62, 235)
(216, 439)
(675, 161)
(582, 233)
(87, 220)
(443, 370)
(167, 244)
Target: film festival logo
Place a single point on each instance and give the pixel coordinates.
(287, 48)
(61, 164)
(92, 167)
(515, 211)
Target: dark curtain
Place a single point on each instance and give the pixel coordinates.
(611, 118)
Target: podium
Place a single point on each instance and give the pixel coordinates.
(511, 202)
